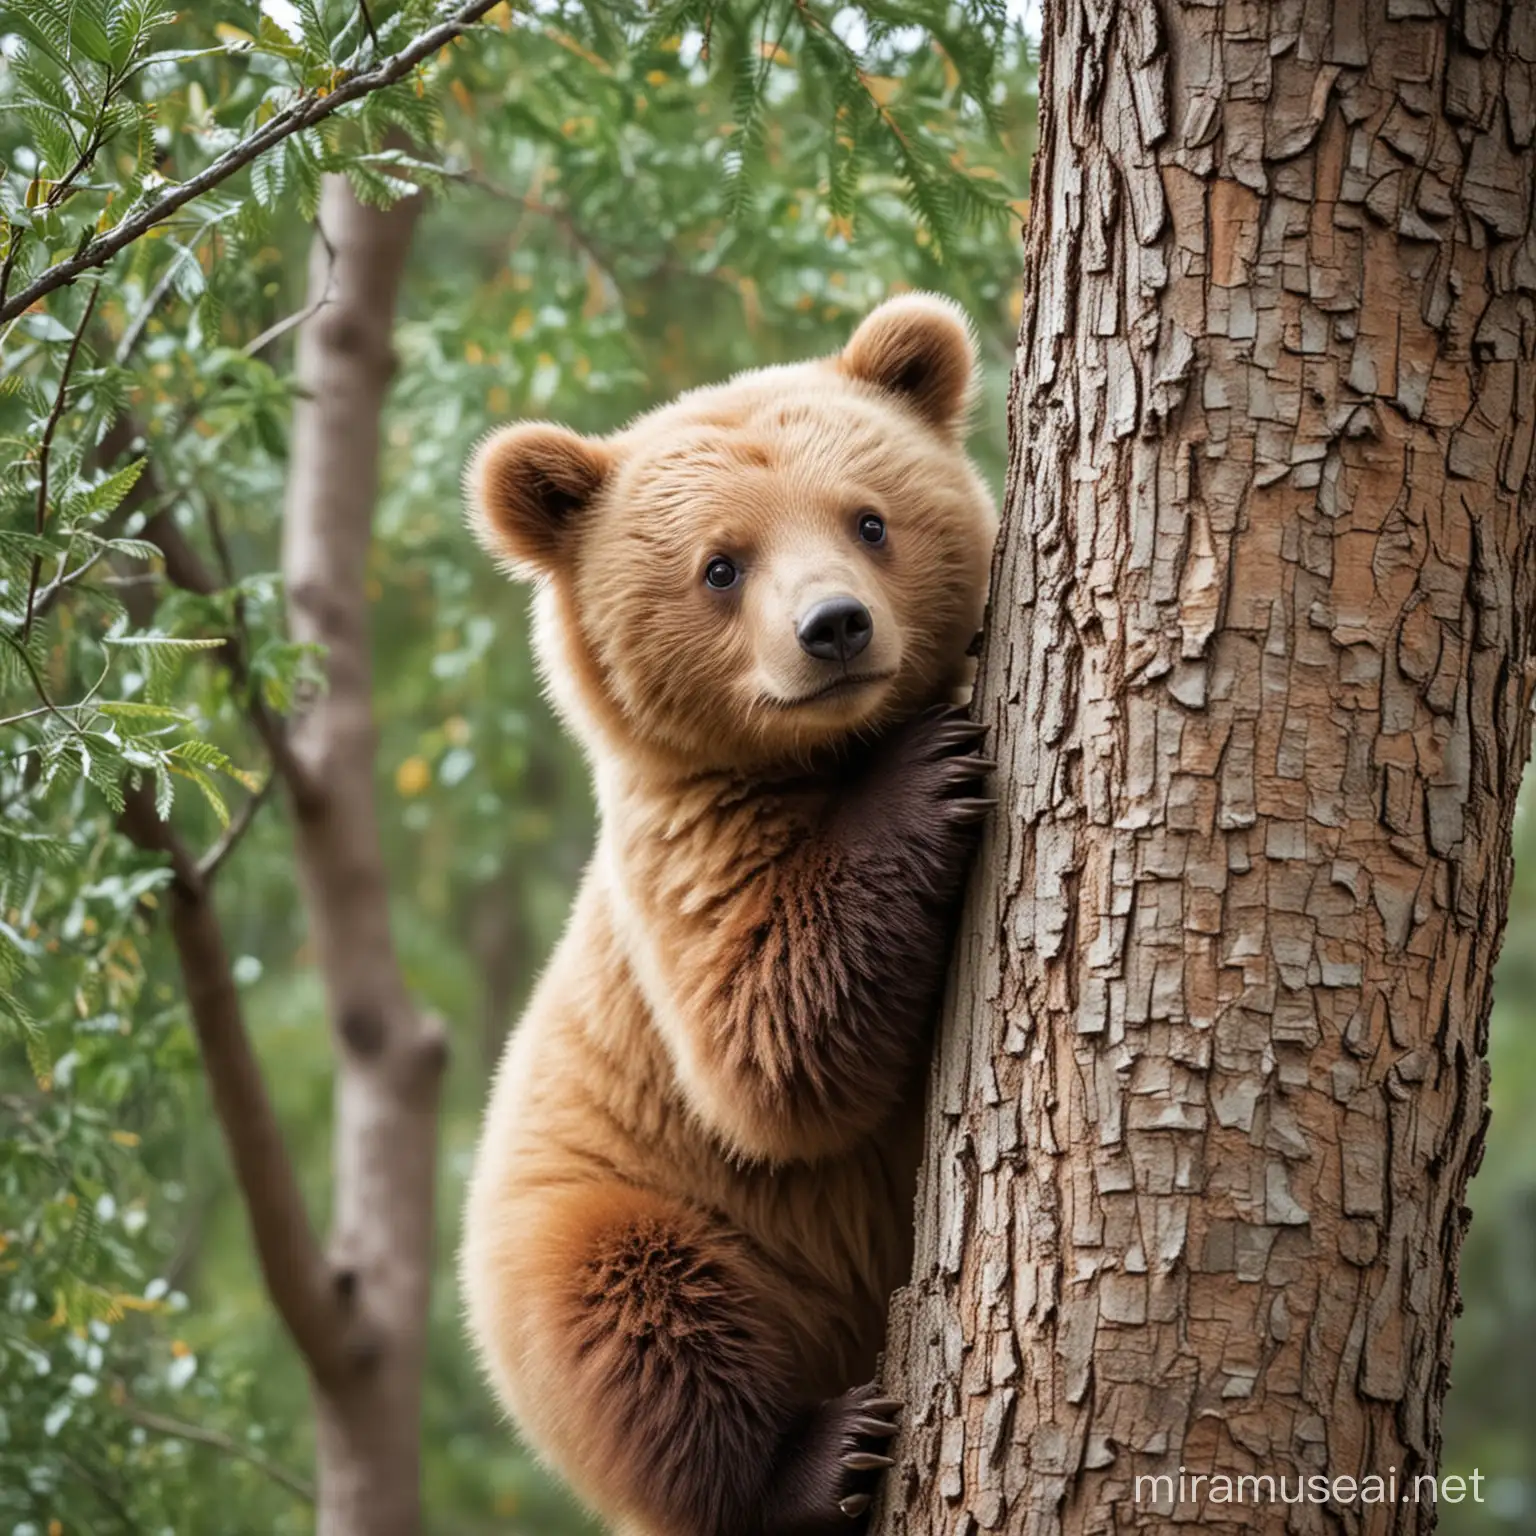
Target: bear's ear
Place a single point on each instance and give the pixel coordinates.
(527, 487)
(920, 347)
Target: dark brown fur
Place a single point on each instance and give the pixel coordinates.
(822, 973)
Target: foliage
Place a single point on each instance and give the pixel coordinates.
(626, 201)
(1491, 1413)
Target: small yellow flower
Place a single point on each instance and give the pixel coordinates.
(412, 776)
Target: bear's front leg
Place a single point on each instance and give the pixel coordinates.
(640, 1343)
(908, 826)
(852, 972)
(803, 994)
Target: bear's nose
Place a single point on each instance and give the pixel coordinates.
(835, 629)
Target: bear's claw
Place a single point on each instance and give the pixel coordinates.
(834, 1460)
(866, 1461)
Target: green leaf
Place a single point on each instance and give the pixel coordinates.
(106, 496)
(164, 643)
(88, 30)
(136, 711)
(20, 1024)
(210, 792)
(165, 794)
(202, 753)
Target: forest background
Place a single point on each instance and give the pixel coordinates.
(620, 204)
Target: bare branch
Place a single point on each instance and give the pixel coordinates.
(163, 1424)
(47, 707)
(12, 251)
(280, 328)
(145, 827)
(297, 1275)
(289, 322)
(221, 547)
(27, 714)
(362, 5)
(310, 108)
(239, 825)
(129, 341)
(600, 256)
(67, 578)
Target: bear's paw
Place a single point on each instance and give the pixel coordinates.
(830, 1463)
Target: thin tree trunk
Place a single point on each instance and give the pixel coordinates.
(498, 937)
(389, 1055)
(1259, 671)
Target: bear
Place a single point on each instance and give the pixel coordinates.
(692, 1196)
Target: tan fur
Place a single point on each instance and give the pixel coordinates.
(693, 1191)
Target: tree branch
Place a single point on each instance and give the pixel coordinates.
(47, 707)
(298, 1277)
(163, 1424)
(184, 568)
(368, 22)
(45, 454)
(599, 255)
(134, 334)
(239, 825)
(289, 322)
(309, 109)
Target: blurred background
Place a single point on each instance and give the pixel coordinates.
(606, 232)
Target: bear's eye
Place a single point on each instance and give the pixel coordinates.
(871, 528)
(721, 574)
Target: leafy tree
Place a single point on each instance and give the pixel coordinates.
(621, 203)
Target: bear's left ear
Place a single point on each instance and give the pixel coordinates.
(527, 487)
(919, 347)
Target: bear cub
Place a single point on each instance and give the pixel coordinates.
(693, 1191)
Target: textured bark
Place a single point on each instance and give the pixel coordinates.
(1258, 673)
(389, 1056)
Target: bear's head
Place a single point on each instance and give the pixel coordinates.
(762, 568)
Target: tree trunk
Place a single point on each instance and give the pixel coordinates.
(389, 1056)
(498, 937)
(1210, 1079)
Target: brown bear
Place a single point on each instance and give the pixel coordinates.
(693, 1191)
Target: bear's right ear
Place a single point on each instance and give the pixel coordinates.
(920, 348)
(527, 487)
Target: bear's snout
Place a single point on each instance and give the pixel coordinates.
(835, 629)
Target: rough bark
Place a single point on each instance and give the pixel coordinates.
(1259, 669)
(389, 1055)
